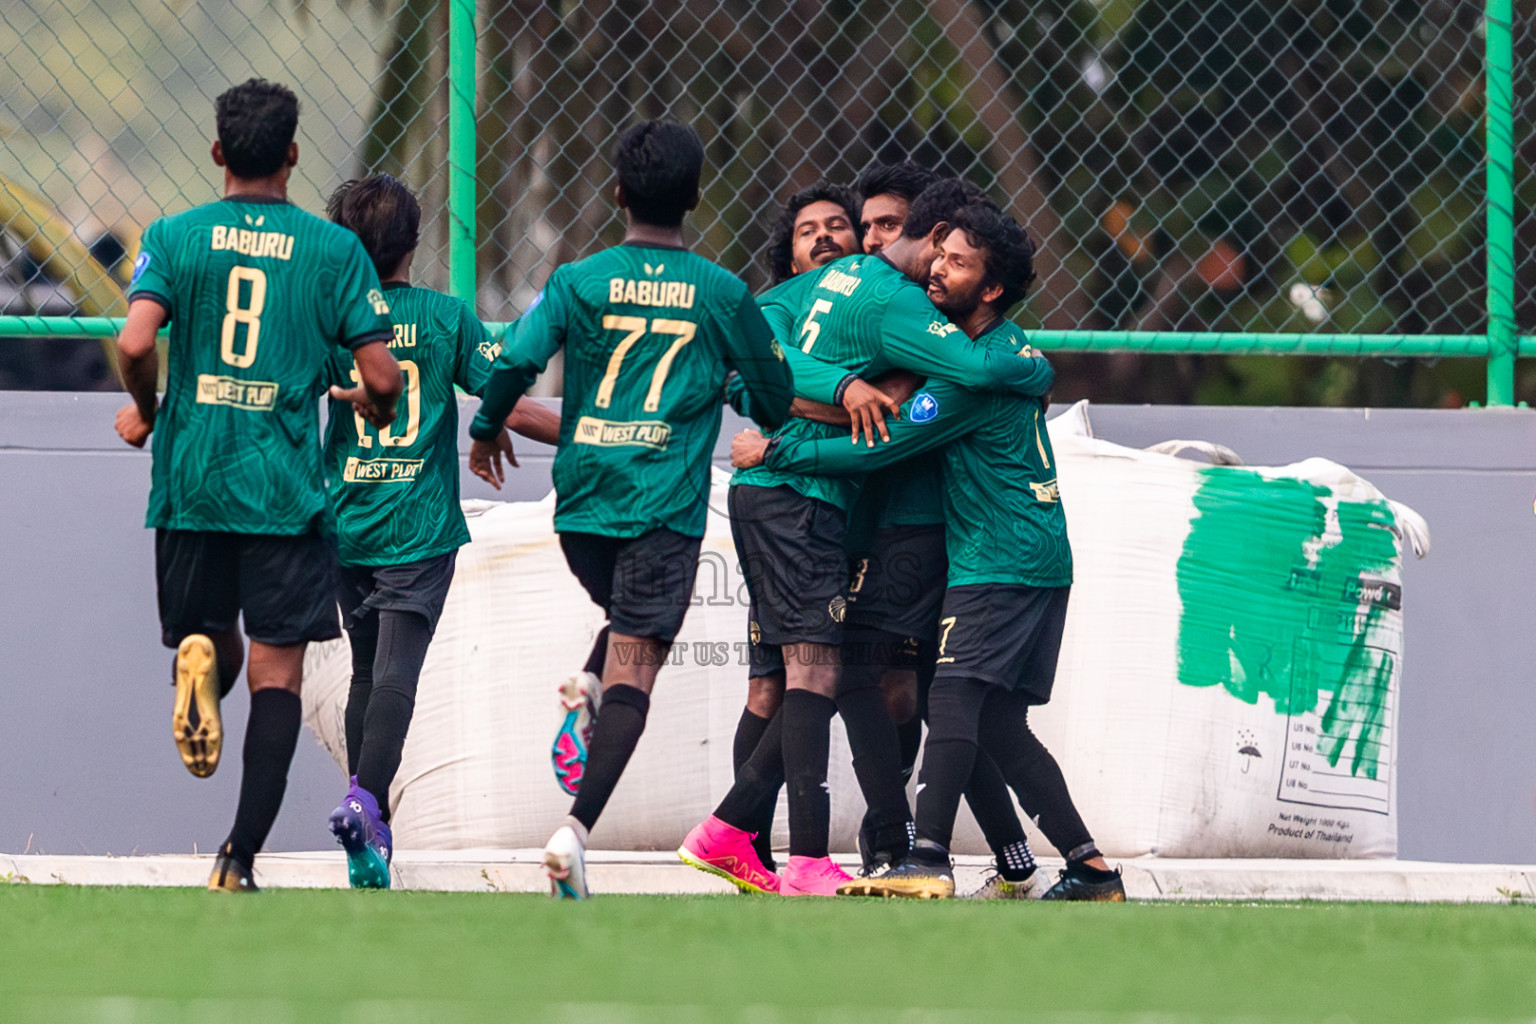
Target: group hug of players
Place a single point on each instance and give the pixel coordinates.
(900, 528)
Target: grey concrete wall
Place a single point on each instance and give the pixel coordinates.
(87, 765)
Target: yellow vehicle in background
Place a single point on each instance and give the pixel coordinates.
(45, 270)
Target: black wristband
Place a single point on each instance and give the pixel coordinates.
(773, 446)
(842, 388)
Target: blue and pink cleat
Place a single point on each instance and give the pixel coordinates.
(580, 695)
(360, 829)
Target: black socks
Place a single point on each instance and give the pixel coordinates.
(1034, 774)
(749, 733)
(909, 735)
(271, 735)
(614, 738)
(876, 762)
(807, 738)
(757, 780)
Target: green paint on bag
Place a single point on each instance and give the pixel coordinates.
(1283, 601)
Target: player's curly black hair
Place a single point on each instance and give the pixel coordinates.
(659, 163)
(780, 251)
(905, 179)
(938, 202)
(1008, 252)
(383, 213)
(256, 122)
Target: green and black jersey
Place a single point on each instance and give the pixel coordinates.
(864, 315)
(396, 490)
(1002, 508)
(259, 295)
(649, 335)
(814, 379)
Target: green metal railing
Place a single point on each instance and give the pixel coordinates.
(1499, 347)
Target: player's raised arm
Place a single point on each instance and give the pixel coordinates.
(758, 358)
(915, 336)
(934, 417)
(477, 357)
(524, 355)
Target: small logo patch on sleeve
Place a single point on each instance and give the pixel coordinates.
(139, 266)
(924, 407)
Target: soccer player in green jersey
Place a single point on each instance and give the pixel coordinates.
(258, 295)
(399, 525)
(868, 314)
(896, 540)
(650, 331)
(818, 225)
(1010, 570)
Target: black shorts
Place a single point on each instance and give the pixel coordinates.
(643, 583)
(1003, 634)
(284, 585)
(790, 549)
(420, 587)
(897, 586)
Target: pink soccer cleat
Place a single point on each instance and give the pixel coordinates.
(580, 696)
(812, 876)
(722, 850)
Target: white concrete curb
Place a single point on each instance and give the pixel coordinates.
(486, 870)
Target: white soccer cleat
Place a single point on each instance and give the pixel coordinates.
(565, 861)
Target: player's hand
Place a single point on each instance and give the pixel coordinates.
(747, 449)
(366, 405)
(867, 407)
(132, 427)
(485, 458)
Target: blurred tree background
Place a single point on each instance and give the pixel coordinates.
(1265, 165)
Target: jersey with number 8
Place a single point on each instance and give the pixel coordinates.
(649, 336)
(258, 294)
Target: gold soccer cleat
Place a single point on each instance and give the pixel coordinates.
(229, 875)
(195, 721)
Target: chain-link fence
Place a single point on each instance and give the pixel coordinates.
(1262, 166)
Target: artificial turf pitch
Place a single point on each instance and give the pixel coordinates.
(172, 955)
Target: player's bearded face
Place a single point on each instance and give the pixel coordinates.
(957, 276)
(881, 219)
(822, 233)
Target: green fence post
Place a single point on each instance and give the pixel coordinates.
(461, 149)
(1501, 203)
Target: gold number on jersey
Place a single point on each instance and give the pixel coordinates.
(685, 330)
(812, 330)
(249, 315)
(948, 623)
(634, 327)
(1039, 443)
(412, 411)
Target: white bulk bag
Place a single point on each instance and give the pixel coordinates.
(1227, 685)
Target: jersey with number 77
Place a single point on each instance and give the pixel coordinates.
(258, 294)
(650, 334)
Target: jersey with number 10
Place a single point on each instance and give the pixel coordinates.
(649, 335)
(258, 294)
(397, 489)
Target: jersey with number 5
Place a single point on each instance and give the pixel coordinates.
(866, 316)
(649, 335)
(258, 295)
